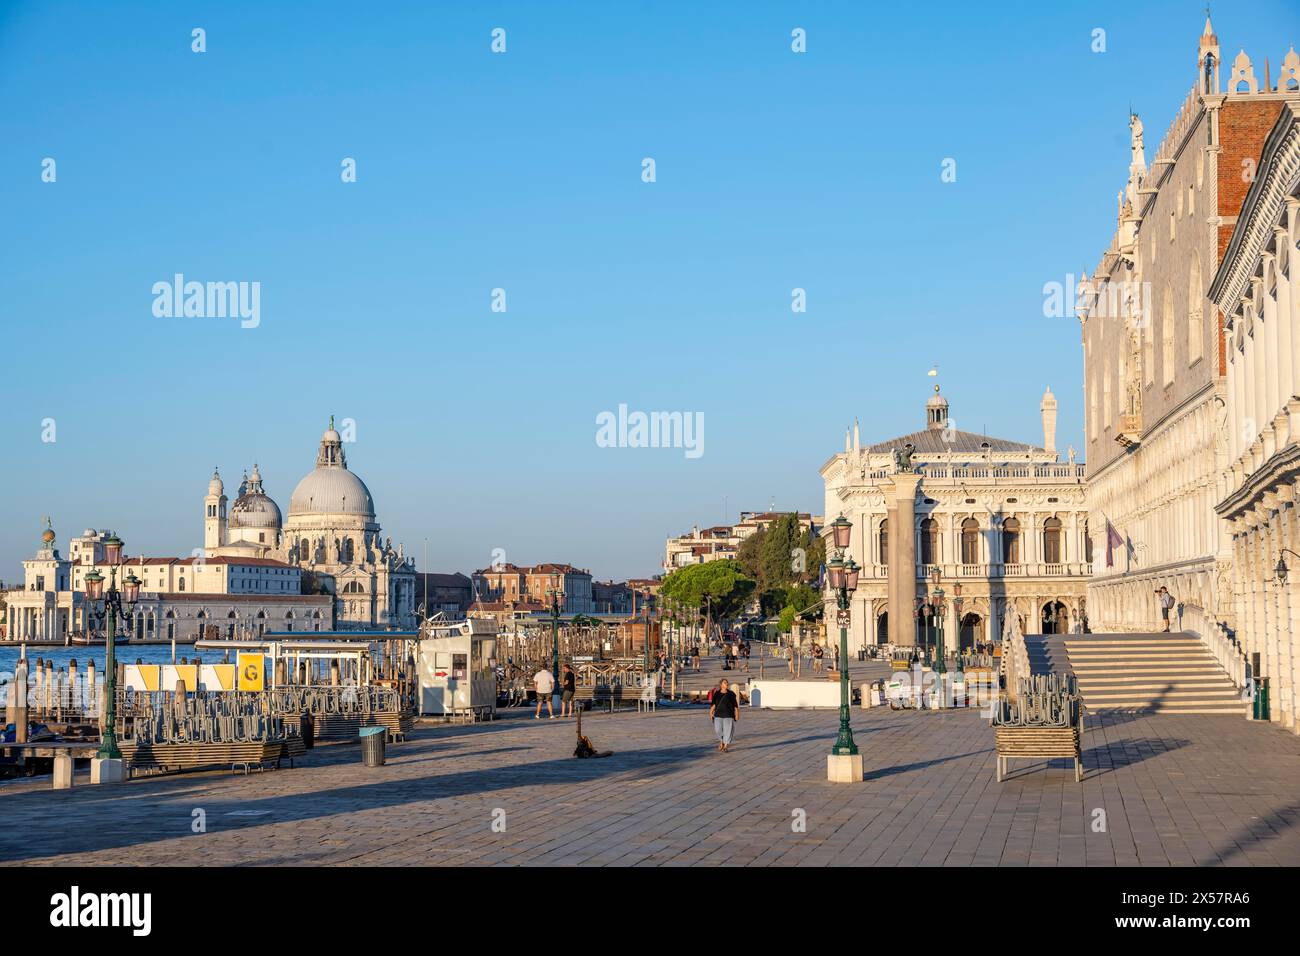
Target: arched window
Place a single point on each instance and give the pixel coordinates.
(1144, 310)
(970, 541)
(1011, 541)
(1105, 396)
(347, 551)
(1195, 335)
(884, 541)
(1052, 550)
(930, 541)
(1167, 336)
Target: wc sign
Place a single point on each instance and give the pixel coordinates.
(252, 671)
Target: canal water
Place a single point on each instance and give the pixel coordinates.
(125, 654)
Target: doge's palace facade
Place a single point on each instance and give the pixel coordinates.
(1257, 288)
(1154, 358)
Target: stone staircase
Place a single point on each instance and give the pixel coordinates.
(1160, 673)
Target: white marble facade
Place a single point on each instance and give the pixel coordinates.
(1258, 290)
(1007, 520)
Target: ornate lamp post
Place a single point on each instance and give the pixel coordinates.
(555, 634)
(844, 764)
(110, 605)
(936, 614)
(645, 618)
(956, 640)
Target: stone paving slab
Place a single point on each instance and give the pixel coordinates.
(1175, 790)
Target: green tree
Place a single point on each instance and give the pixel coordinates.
(780, 553)
(718, 588)
(750, 556)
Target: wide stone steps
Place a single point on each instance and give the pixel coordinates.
(1167, 674)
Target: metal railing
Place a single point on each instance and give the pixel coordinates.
(164, 717)
(1041, 700)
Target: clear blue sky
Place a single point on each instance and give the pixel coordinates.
(476, 430)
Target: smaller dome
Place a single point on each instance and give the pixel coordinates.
(215, 486)
(254, 508)
(936, 411)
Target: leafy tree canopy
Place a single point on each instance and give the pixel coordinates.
(719, 587)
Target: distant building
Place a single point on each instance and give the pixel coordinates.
(251, 571)
(1006, 520)
(608, 597)
(510, 583)
(721, 542)
(180, 598)
(448, 594)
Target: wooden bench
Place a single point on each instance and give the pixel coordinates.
(613, 694)
(151, 757)
(1038, 743)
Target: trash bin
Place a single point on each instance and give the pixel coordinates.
(373, 740)
(307, 727)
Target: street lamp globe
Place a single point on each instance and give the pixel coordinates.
(112, 549)
(94, 585)
(851, 571)
(131, 589)
(835, 572)
(841, 532)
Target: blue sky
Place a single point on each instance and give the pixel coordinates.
(476, 430)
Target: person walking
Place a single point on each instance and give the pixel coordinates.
(544, 684)
(744, 656)
(818, 655)
(724, 709)
(695, 657)
(569, 684)
(1166, 601)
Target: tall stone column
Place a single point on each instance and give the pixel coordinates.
(902, 559)
(887, 558)
(1292, 539)
(1286, 657)
(951, 627)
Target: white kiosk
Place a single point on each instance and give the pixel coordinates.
(456, 669)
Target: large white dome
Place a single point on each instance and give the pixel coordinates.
(331, 488)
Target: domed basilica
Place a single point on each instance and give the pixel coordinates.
(331, 534)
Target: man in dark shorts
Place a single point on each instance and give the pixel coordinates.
(566, 694)
(725, 711)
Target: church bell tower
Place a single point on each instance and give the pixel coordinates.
(214, 514)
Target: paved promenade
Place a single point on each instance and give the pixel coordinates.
(1174, 790)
